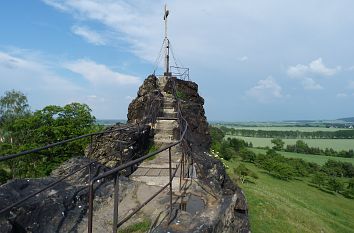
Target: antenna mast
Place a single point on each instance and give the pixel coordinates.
(167, 43)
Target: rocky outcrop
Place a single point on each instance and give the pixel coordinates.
(210, 171)
(222, 205)
(193, 111)
(119, 146)
(58, 209)
(147, 103)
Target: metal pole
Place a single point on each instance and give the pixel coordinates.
(116, 203)
(90, 155)
(167, 43)
(170, 168)
(90, 213)
(181, 172)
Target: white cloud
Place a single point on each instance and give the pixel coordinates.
(20, 70)
(310, 84)
(266, 90)
(136, 22)
(298, 70)
(89, 35)
(306, 73)
(341, 95)
(99, 74)
(316, 67)
(243, 59)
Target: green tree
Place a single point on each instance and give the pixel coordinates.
(49, 125)
(243, 173)
(13, 104)
(248, 155)
(350, 186)
(335, 185)
(278, 143)
(319, 179)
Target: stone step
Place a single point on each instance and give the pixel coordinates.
(167, 118)
(169, 115)
(168, 105)
(164, 129)
(165, 141)
(167, 122)
(169, 110)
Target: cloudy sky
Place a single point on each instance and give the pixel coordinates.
(253, 60)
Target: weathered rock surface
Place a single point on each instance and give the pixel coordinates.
(193, 111)
(213, 203)
(147, 103)
(117, 147)
(58, 209)
(225, 207)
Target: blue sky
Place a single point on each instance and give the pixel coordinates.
(253, 60)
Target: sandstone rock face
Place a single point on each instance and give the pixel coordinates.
(63, 208)
(147, 103)
(121, 146)
(58, 209)
(193, 111)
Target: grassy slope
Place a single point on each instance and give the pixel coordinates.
(294, 206)
(336, 144)
(319, 159)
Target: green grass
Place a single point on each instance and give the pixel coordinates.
(289, 128)
(319, 159)
(139, 227)
(152, 148)
(294, 206)
(335, 144)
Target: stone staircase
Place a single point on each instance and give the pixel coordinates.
(156, 170)
(167, 122)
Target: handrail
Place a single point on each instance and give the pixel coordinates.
(45, 188)
(12, 156)
(133, 162)
(115, 172)
(152, 116)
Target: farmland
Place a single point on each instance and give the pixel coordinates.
(289, 128)
(336, 144)
(319, 159)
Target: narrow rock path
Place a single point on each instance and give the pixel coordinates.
(156, 170)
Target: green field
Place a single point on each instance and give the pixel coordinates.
(289, 128)
(319, 159)
(336, 144)
(294, 206)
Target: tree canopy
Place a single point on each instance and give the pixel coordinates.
(29, 130)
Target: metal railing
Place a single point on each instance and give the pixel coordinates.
(180, 72)
(115, 172)
(152, 115)
(36, 150)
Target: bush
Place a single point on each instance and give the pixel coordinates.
(319, 179)
(335, 185)
(247, 155)
(243, 172)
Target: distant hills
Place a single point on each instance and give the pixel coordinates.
(347, 119)
(109, 121)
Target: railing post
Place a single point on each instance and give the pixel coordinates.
(116, 203)
(181, 171)
(170, 168)
(90, 213)
(90, 155)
